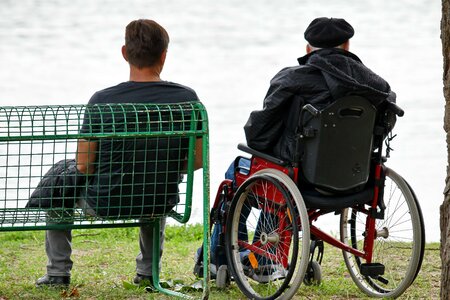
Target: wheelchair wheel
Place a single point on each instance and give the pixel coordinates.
(267, 237)
(222, 277)
(399, 244)
(313, 275)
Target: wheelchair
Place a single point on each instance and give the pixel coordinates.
(271, 242)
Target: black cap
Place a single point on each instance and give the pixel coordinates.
(328, 32)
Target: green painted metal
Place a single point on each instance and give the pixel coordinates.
(206, 219)
(34, 138)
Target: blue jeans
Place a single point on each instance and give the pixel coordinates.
(217, 229)
(242, 163)
(229, 174)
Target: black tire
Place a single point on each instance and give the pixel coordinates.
(313, 275)
(222, 277)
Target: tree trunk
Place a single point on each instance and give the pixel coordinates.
(445, 207)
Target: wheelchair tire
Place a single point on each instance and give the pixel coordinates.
(313, 275)
(266, 253)
(222, 277)
(399, 244)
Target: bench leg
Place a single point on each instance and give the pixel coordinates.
(155, 264)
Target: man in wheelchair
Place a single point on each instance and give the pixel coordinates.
(328, 72)
(320, 131)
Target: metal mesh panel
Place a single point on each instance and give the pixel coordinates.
(140, 168)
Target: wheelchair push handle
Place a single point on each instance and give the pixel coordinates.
(311, 109)
(395, 109)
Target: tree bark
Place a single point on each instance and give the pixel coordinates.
(445, 207)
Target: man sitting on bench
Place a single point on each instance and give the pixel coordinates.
(145, 50)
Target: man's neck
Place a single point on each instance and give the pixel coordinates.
(145, 74)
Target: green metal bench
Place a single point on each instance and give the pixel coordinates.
(34, 138)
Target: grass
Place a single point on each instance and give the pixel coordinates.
(104, 264)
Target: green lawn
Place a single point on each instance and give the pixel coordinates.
(104, 265)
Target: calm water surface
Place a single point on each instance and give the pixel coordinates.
(55, 52)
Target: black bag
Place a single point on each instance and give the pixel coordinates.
(59, 187)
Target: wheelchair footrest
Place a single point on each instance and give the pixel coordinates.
(372, 269)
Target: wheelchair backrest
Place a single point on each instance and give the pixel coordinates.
(337, 143)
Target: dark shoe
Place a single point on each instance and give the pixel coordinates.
(47, 280)
(143, 280)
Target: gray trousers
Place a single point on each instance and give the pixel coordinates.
(58, 246)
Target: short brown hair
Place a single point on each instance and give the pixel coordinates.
(145, 41)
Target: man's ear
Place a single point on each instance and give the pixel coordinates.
(346, 45)
(163, 57)
(124, 52)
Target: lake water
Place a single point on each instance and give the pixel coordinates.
(55, 52)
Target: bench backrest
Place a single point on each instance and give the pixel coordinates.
(146, 169)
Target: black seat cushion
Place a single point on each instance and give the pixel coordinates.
(317, 200)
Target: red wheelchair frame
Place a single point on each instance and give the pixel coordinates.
(369, 269)
(258, 164)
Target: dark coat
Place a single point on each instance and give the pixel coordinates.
(322, 77)
(59, 187)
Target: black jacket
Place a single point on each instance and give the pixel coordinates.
(322, 77)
